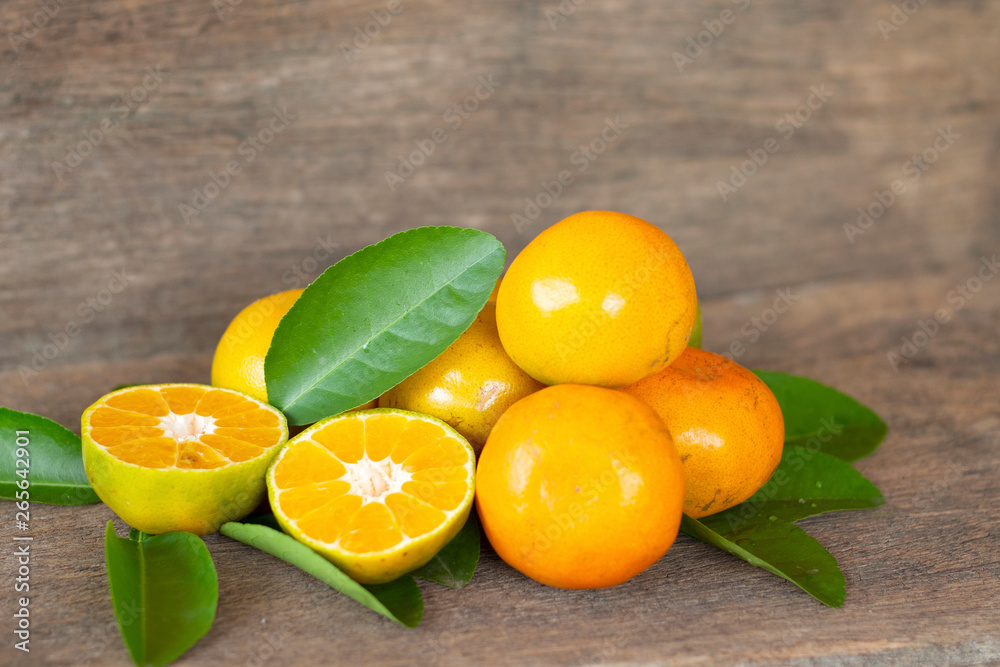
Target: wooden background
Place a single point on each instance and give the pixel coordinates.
(922, 571)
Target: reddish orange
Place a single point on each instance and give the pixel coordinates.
(725, 422)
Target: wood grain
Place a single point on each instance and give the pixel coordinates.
(922, 571)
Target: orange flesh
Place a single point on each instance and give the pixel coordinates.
(185, 427)
(367, 482)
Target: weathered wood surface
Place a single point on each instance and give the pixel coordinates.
(922, 571)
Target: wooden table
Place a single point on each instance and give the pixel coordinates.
(157, 97)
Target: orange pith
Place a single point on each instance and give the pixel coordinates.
(372, 482)
(183, 427)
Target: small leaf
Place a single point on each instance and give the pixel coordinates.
(804, 484)
(455, 564)
(819, 416)
(761, 532)
(164, 590)
(783, 549)
(375, 317)
(54, 461)
(399, 600)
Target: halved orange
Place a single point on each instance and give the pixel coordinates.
(180, 457)
(376, 492)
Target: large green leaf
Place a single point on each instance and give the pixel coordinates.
(399, 600)
(164, 590)
(455, 564)
(51, 464)
(761, 532)
(375, 317)
(821, 418)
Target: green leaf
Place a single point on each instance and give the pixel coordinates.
(761, 532)
(54, 461)
(804, 484)
(399, 600)
(455, 564)
(375, 317)
(783, 549)
(164, 590)
(817, 416)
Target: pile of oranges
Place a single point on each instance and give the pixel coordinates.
(595, 425)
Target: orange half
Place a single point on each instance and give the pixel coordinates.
(180, 456)
(377, 492)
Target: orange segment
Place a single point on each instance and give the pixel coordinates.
(372, 528)
(414, 517)
(442, 454)
(119, 435)
(326, 523)
(382, 434)
(182, 399)
(246, 419)
(148, 452)
(262, 437)
(113, 417)
(416, 436)
(233, 449)
(344, 438)
(445, 496)
(377, 492)
(304, 499)
(141, 400)
(195, 455)
(308, 463)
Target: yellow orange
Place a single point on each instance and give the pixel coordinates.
(469, 385)
(239, 357)
(599, 298)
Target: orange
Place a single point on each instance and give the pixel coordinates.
(726, 424)
(469, 385)
(580, 487)
(599, 298)
(180, 457)
(239, 357)
(377, 492)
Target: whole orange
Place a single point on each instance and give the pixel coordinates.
(580, 487)
(725, 422)
(599, 298)
(469, 385)
(239, 357)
